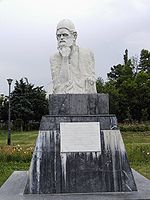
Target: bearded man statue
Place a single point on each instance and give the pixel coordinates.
(72, 68)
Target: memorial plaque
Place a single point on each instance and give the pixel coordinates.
(80, 137)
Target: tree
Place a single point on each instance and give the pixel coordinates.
(128, 86)
(1, 105)
(144, 63)
(121, 72)
(28, 102)
(141, 107)
(119, 87)
(3, 108)
(135, 63)
(100, 85)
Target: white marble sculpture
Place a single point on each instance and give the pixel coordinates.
(72, 68)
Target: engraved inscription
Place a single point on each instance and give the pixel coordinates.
(80, 137)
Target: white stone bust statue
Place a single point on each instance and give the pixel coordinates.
(72, 68)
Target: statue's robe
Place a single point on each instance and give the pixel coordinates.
(75, 74)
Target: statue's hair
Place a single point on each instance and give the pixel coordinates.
(67, 24)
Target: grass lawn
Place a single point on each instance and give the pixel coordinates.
(138, 151)
(25, 139)
(18, 155)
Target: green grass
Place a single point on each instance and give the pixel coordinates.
(138, 151)
(6, 169)
(25, 139)
(136, 137)
(18, 155)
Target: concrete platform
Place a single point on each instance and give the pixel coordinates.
(13, 189)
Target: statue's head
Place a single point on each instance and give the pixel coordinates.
(66, 33)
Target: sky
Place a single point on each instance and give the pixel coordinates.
(106, 27)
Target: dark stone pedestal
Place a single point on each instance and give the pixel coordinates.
(105, 170)
(78, 104)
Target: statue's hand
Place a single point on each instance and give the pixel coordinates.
(64, 51)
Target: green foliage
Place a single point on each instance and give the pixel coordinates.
(100, 85)
(121, 72)
(144, 60)
(3, 108)
(16, 153)
(28, 103)
(128, 87)
(136, 127)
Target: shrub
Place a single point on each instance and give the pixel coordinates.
(136, 127)
(16, 154)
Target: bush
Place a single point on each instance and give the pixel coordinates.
(33, 125)
(20, 125)
(136, 127)
(3, 126)
(16, 154)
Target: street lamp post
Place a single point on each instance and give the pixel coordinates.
(9, 113)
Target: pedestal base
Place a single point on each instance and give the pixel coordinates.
(14, 187)
(83, 167)
(106, 170)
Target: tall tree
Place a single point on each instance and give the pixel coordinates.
(144, 63)
(28, 102)
(129, 88)
(121, 72)
(3, 108)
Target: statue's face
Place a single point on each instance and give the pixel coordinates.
(65, 38)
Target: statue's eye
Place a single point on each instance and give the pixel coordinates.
(58, 35)
(65, 34)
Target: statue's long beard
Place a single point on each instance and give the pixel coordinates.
(65, 48)
(64, 51)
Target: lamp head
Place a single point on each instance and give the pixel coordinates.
(9, 81)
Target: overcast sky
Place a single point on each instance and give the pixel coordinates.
(107, 27)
